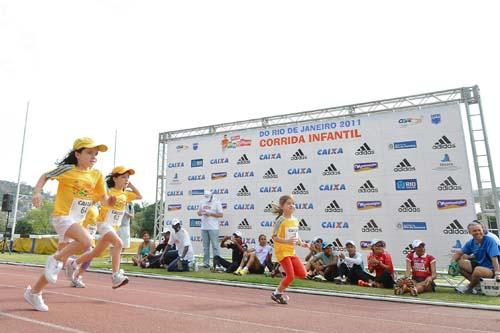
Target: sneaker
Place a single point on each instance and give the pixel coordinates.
(70, 268)
(337, 280)
(414, 291)
(279, 298)
(477, 290)
(77, 283)
(362, 283)
(319, 277)
(220, 269)
(35, 300)
(244, 271)
(52, 269)
(119, 279)
(238, 271)
(309, 276)
(463, 289)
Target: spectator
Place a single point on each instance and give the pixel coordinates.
(351, 267)
(185, 253)
(477, 259)
(380, 262)
(421, 267)
(488, 233)
(146, 249)
(324, 264)
(235, 243)
(313, 250)
(255, 260)
(210, 211)
(162, 257)
(124, 230)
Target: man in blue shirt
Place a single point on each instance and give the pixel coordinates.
(480, 258)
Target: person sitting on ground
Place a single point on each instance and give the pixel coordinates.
(313, 250)
(351, 266)
(235, 243)
(256, 260)
(162, 257)
(146, 250)
(478, 258)
(324, 264)
(421, 268)
(185, 254)
(380, 262)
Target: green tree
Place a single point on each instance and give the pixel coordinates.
(143, 220)
(40, 219)
(23, 227)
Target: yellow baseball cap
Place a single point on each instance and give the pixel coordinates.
(86, 142)
(120, 170)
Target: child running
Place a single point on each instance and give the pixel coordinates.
(78, 186)
(109, 221)
(285, 237)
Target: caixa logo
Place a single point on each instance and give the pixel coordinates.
(266, 224)
(271, 189)
(193, 207)
(329, 151)
(196, 239)
(175, 165)
(270, 156)
(299, 171)
(193, 178)
(304, 205)
(334, 225)
(175, 193)
(332, 187)
(219, 191)
(224, 223)
(243, 174)
(244, 206)
(169, 222)
(224, 160)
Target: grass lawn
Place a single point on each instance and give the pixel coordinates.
(442, 293)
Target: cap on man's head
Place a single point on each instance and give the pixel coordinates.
(324, 245)
(176, 222)
(120, 170)
(237, 233)
(416, 243)
(350, 242)
(317, 238)
(88, 143)
(375, 241)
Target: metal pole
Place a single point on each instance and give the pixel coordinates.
(114, 153)
(19, 175)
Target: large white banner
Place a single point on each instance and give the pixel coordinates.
(396, 176)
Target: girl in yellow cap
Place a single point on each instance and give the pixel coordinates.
(79, 186)
(110, 217)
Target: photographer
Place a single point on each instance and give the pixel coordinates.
(235, 243)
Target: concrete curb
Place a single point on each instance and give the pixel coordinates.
(292, 289)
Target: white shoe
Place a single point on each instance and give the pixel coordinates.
(70, 268)
(463, 289)
(77, 283)
(319, 277)
(35, 300)
(52, 269)
(119, 279)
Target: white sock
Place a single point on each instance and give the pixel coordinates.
(245, 268)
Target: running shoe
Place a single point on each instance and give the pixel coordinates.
(279, 298)
(52, 269)
(35, 300)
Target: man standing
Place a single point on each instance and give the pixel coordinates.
(210, 211)
(180, 238)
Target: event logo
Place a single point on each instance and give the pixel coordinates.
(166, 223)
(300, 189)
(359, 167)
(449, 184)
(219, 191)
(224, 205)
(337, 245)
(175, 179)
(404, 122)
(403, 166)
(243, 174)
(436, 118)
(268, 208)
(332, 187)
(234, 142)
(243, 160)
(367, 187)
(303, 225)
(196, 163)
(371, 226)
(174, 193)
(174, 207)
(199, 191)
(196, 239)
(270, 174)
(455, 228)
(299, 171)
(334, 207)
(244, 224)
(266, 223)
(193, 207)
(329, 151)
(243, 206)
(408, 207)
(364, 205)
(243, 192)
(365, 245)
(364, 150)
(223, 223)
(408, 249)
(270, 189)
(195, 223)
(196, 177)
(224, 160)
(219, 175)
(450, 204)
(270, 156)
(331, 170)
(445, 164)
(334, 225)
(175, 165)
(196, 145)
(412, 226)
(180, 148)
(443, 143)
(299, 155)
(304, 205)
(403, 145)
(406, 184)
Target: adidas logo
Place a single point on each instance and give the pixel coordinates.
(367, 187)
(371, 226)
(449, 184)
(299, 155)
(303, 225)
(408, 249)
(268, 208)
(337, 245)
(443, 143)
(244, 224)
(270, 242)
(331, 171)
(404, 165)
(334, 207)
(364, 150)
(243, 160)
(408, 207)
(300, 189)
(243, 192)
(270, 174)
(455, 228)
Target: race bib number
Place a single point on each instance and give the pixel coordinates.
(79, 209)
(92, 229)
(114, 217)
(292, 232)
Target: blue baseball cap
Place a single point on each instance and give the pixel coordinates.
(324, 245)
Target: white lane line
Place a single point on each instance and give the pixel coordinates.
(39, 322)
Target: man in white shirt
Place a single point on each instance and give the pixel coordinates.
(351, 266)
(210, 211)
(180, 238)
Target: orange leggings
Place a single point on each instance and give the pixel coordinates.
(293, 267)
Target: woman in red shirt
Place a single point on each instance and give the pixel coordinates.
(380, 262)
(421, 267)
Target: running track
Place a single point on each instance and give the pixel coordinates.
(148, 305)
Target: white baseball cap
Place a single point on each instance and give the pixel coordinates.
(238, 233)
(175, 222)
(350, 242)
(416, 243)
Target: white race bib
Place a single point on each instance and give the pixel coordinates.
(114, 217)
(292, 232)
(79, 209)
